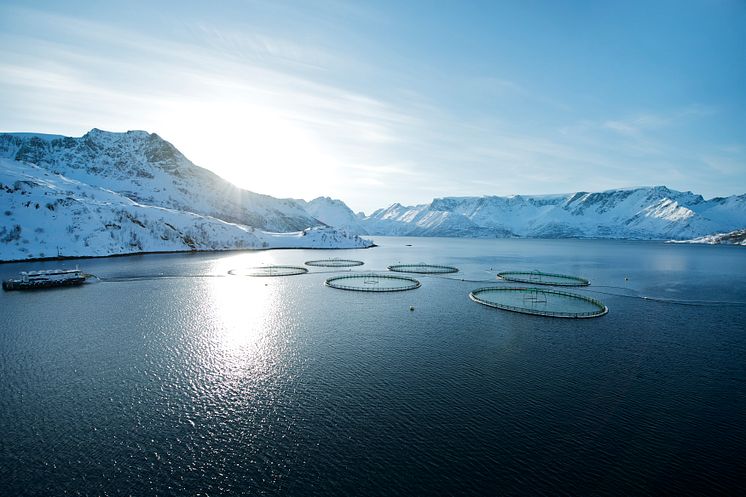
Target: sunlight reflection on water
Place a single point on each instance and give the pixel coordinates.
(239, 337)
(240, 309)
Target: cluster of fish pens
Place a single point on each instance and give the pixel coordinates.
(524, 299)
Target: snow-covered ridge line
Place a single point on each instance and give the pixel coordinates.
(121, 193)
(645, 213)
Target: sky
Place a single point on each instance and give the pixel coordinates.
(382, 102)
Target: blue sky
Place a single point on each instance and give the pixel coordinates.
(380, 102)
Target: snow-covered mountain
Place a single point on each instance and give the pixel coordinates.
(637, 213)
(114, 193)
(149, 170)
(335, 213)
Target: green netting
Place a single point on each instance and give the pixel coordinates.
(334, 263)
(373, 282)
(540, 301)
(422, 269)
(269, 271)
(540, 278)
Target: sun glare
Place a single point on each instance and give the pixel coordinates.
(253, 147)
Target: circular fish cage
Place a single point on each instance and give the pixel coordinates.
(334, 263)
(261, 271)
(540, 278)
(372, 282)
(422, 269)
(539, 301)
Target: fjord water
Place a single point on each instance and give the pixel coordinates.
(171, 377)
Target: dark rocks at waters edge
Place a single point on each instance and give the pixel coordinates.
(737, 237)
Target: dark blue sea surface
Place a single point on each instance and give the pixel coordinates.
(171, 377)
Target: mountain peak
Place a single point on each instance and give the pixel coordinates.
(100, 134)
(333, 212)
(131, 132)
(327, 200)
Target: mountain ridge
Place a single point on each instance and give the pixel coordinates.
(652, 213)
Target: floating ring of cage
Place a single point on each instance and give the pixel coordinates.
(422, 269)
(539, 301)
(269, 271)
(540, 278)
(372, 282)
(334, 263)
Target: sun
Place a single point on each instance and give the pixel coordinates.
(253, 147)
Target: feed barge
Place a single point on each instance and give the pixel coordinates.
(32, 280)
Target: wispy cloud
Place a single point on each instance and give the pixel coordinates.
(641, 123)
(491, 86)
(726, 161)
(289, 117)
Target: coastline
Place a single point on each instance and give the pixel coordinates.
(373, 245)
(190, 251)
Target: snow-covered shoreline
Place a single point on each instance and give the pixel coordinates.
(167, 252)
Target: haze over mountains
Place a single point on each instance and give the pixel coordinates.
(112, 193)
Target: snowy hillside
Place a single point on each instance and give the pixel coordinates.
(638, 213)
(149, 170)
(334, 213)
(119, 193)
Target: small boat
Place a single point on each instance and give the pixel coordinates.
(31, 280)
